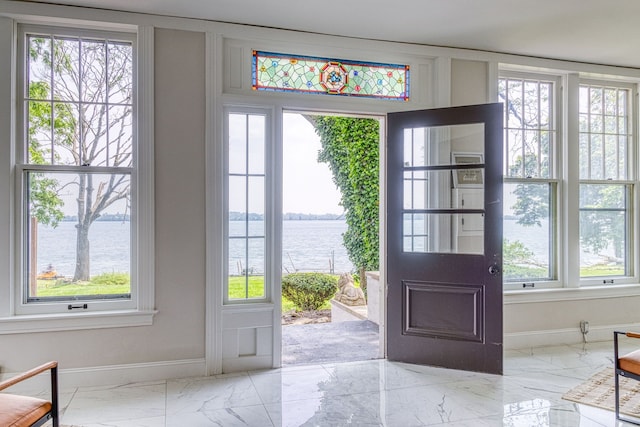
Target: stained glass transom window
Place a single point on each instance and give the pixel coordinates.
(325, 76)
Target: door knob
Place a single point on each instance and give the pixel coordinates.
(494, 269)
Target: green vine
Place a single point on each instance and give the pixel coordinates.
(350, 146)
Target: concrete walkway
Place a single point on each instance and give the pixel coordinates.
(329, 342)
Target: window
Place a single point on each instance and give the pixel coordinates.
(605, 189)
(530, 185)
(593, 187)
(246, 187)
(329, 76)
(76, 171)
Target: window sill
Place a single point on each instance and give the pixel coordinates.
(25, 324)
(571, 294)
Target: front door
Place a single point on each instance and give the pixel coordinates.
(444, 237)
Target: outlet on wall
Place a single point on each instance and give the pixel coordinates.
(584, 326)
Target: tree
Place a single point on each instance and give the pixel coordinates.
(601, 206)
(602, 218)
(350, 146)
(44, 201)
(80, 114)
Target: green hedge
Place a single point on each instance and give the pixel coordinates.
(309, 291)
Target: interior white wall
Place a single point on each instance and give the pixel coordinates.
(178, 330)
(177, 336)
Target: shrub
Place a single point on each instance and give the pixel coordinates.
(308, 291)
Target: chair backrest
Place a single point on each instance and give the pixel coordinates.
(18, 410)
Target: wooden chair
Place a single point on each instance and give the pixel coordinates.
(19, 411)
(627, 366)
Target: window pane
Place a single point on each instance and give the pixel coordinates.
(329, 76)
(94, 127)
(40, 148)
(604, 132)
(415, 189)
(78, 251)
(246, 201)
(120, 73)
(529, 130)
(415, 147)
(93, 69)
(443, 233)
(246, 268)
(39, 74)
(79, 126)
(120, 136)
(256, 268)
(66, 69)
(256, 144)
(415, 233)
(604, 222)
(237, 143)
(528, 232)
(237, 258)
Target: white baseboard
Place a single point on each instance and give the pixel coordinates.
(529, 339)
(131, 373)
(113, 375)
(247, 363)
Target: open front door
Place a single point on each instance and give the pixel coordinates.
(444, 237)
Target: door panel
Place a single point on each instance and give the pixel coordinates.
(444, 237)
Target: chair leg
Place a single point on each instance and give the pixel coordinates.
(54, 397)
(632, 420)
(617, 394)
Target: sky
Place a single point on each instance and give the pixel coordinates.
(308, 185)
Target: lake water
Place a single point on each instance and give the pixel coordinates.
(307, 246)
(109, 251)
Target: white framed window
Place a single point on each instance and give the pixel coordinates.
(82, 220)
(539, 217)
(531, 139)
(606, 188)
(248, 217)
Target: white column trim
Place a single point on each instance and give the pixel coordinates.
(146, 196)
(214, 194)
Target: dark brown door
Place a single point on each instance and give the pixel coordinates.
(444, 237)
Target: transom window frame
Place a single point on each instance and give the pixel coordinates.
(17, 317)
(567, 178)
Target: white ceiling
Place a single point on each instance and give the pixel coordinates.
(594, 31)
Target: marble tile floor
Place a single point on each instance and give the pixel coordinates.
(367, 393)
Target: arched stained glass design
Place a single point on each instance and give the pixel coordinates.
(326, 76)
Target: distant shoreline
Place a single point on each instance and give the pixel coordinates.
(289, 216)
(233, 216)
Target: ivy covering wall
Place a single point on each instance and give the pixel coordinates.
(350, 146)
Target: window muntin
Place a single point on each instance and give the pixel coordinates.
(605, 193)
(246, 186)
(530, 184)
(76, 166)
